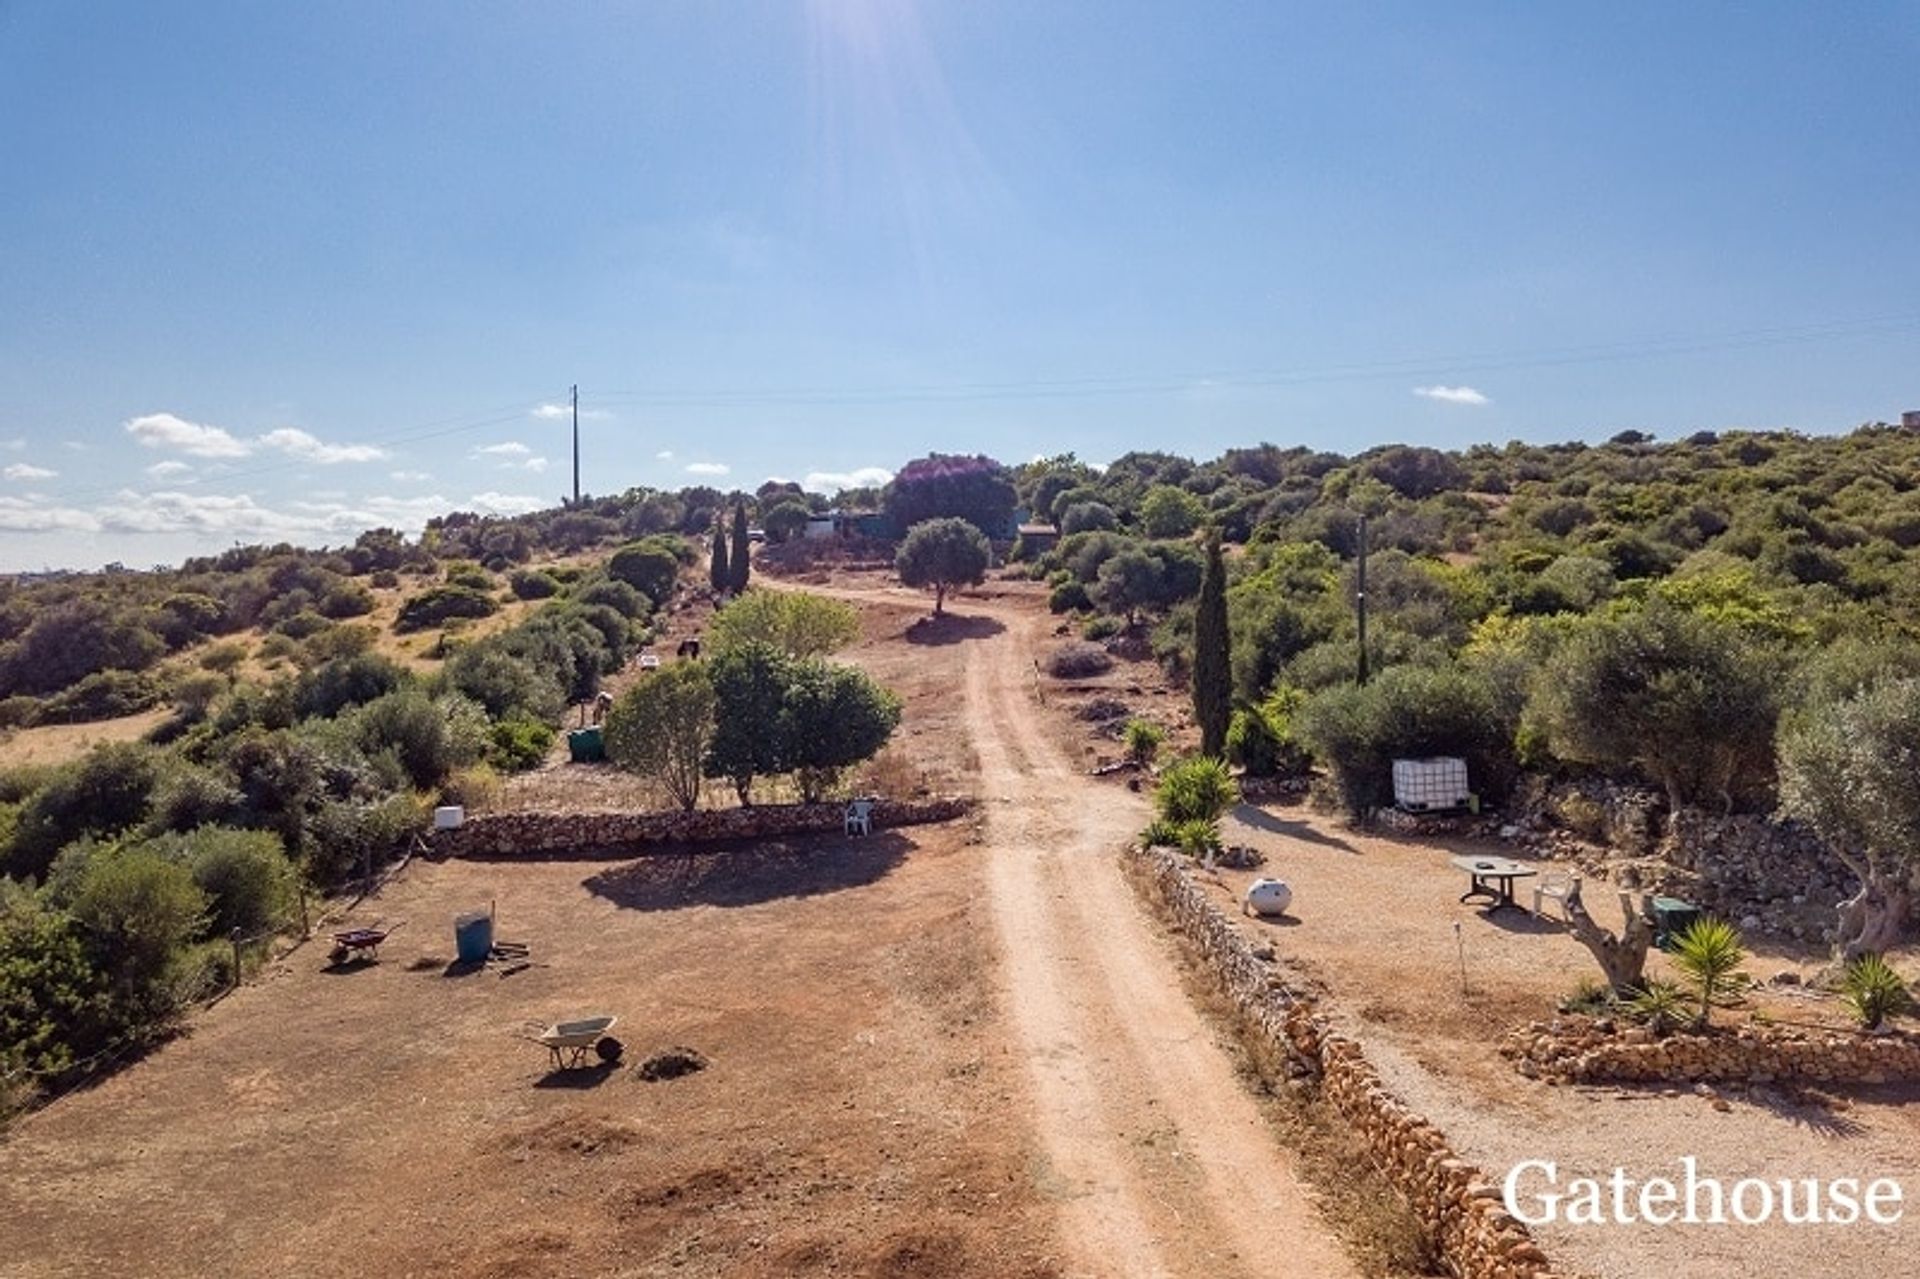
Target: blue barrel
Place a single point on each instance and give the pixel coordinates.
(473, 937)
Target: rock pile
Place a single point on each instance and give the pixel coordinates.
(1587, 1051)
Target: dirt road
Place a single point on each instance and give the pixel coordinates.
(1159, 1160)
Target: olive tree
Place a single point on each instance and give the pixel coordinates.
(834, 717)
(797, 623)
(943, 555)
(662, 727)
(1848, 770)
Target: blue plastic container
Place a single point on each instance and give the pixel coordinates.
(473, 937)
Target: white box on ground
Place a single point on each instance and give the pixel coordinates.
(1429, 785)
(448, 817)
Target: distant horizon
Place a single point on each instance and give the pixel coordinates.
(413, 531)
(281, 273)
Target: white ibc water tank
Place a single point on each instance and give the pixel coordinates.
(448, 817)
(1269, 897)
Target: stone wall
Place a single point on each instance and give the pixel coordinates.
(1459, 1208)
(627, 834)
(1582, 1050)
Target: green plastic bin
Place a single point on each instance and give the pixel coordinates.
(586, 745)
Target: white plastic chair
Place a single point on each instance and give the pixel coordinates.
(1558, 885)
(860, 817)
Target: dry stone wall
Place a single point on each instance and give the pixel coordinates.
(1587, 1051)
(507, 836)
(1458, 1206)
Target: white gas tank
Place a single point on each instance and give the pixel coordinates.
(1268, 897)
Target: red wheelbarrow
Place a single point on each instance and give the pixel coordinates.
(359, 944)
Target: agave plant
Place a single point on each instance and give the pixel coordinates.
(1709, 954)
(1660, 1004)
(1874, 991)
(1144, 738)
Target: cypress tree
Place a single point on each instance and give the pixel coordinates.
(737, 565)
(1212, 665)
(718, 574)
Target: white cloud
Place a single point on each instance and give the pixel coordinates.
(1452, 394)
(26, 471)
(160, 470)
(665, 455)
(834, 481)
(297, 443)
(165, 431)
(556, 412)
(408, 477)
(534, 464)
(32, 515)
(506, 503)
(507, 448)
(707, 468)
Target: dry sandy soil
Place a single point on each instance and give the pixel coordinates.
(947, 1051)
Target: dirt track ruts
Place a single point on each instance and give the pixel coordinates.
(1160, 1161)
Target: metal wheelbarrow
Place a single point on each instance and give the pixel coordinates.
(569, 1042)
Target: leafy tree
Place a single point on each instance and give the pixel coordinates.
(1212, 659)
(53, 1000)
(1168, 512)
(646, 568)
(616, 595)
(245, 875)
(106, 792)
(942, 486)
(719, 573)
(441, 604)
(1087, 517)
(941, 555)
(72, 640)
(785, 519)
(1146, 579)
(1358, 730)
(797, 623)
(750, 685)
(137, 910)
(429, 738)
(1847, 769)
(1688, 701)
(834, 717)
(739, 567)
(662, 728)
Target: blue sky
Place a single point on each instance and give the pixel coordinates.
(289, 270)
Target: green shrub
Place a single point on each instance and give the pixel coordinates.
(1660, 1004)
(103, 793)
(245, 874)
(533, 584)
(1198, 838)
(1873, 991)
(475, 789)
(345, 599)
(797, 623)
(1069, 597)
(1197, 788)
(1078, 661)
(189, 796)
(138, 910)
(516, 744)
(347, 835)
(429, 738)
(104, 695)
(302, 625)
(1144, 739)
(441, 604)
(472, 576)
(385, 579)
(224, 658)
(1160, 833)
(19, 711)
(1100, 628)
(647, 568)
(618, 596)
(328, 689)
(1406, 712)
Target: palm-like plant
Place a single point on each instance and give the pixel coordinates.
(1710, 954)
(1660, 1004)
(1197, 788)
(1873, 990)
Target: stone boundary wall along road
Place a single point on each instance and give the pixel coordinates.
(1457, 1205)
(1582, 1051)
(624, 834)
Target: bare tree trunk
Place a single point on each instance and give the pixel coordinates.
(1871, 920)
(1624, 958)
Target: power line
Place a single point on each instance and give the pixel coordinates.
(1413, 366)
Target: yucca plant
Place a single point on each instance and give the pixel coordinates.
(1709, 953)
(1874, 991)
(1143, 740)
(1160, 833)
(1661, 1005)
(1199, 839)
(1196, 788)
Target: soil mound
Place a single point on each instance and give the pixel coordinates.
(671, 1063)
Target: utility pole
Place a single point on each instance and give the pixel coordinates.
(576, 444)
(1360, 598)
